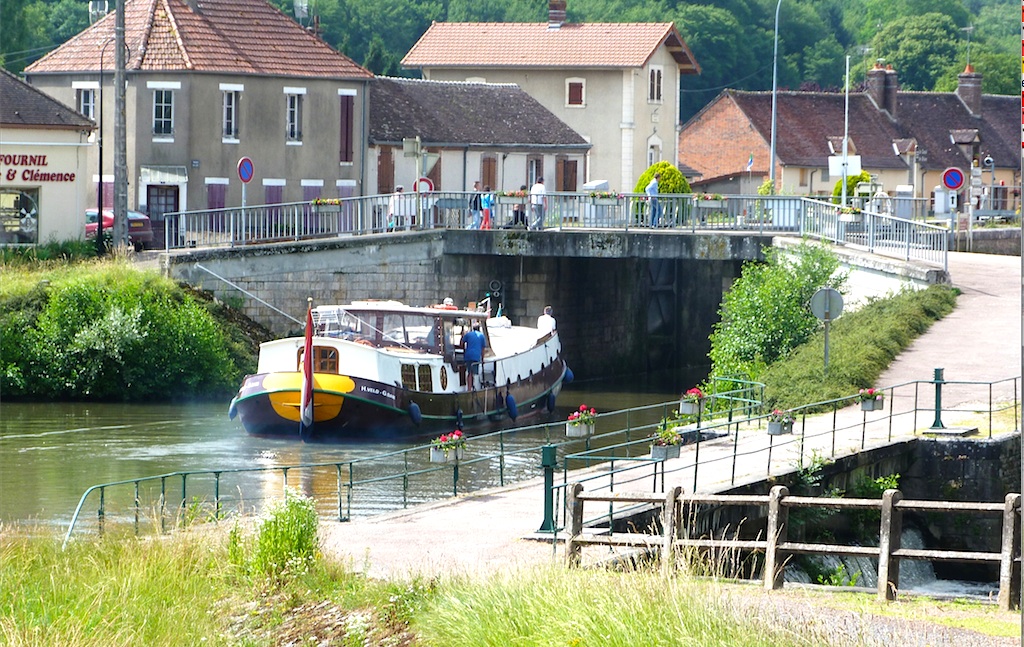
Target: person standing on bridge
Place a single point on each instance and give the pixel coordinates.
(473, 344)
(652, 197)
(475, 206)
(538, 202)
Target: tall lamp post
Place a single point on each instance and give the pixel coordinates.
(775, 85)
(99, 165)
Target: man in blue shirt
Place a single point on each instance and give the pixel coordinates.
(652, 196)
(473, 344)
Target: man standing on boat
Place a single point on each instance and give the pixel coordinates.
(545, 322)
(473, 352)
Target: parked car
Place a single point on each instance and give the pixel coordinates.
(140, 230)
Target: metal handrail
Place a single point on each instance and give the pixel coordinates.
(908, 238)
(638, 426)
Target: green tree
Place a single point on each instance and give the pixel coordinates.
(824, 63)
(671, 181)
(920, 48)
(851, 185)
(766, 313)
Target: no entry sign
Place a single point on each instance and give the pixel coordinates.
(953, 179)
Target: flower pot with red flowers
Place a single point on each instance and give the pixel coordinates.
(581, 422)
(665, 443)
(871, 399)
(447, 447)
(689, 402)
(780, 422)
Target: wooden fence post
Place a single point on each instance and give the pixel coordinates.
(1009, 568)
(888, 541)
(670, 528)
(778, 516)
(572, 549)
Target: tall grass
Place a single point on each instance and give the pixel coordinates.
(111, 592)
(554, 606)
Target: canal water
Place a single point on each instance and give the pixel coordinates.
(51, 453)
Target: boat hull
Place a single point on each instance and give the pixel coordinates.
(347, 408)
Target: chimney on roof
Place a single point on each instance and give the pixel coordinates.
(891, 86)
(876, 84)
(969, 90)
(556, 13)
(882, 86)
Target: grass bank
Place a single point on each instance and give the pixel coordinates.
(190, 589)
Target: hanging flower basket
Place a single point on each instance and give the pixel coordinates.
(688, 408)
(664, 452)
(709, 204)
(579, 430)
(779, 428)
(871, 399)
(512, 199)
(605, 202)
(438, 455)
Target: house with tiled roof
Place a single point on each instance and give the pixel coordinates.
(468, 132)
(210, 82)
(902, 138)
(43, 161)
(616, 84)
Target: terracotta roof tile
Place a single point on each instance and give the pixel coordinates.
(483, 114)
(226, 36)
(22, 105)
(535, 45)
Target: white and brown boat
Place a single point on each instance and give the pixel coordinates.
(382, 368)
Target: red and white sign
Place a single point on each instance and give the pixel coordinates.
(953, 179)
(426, 185)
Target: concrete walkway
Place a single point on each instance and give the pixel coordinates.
(495, 530)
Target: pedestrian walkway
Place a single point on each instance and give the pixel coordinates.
(496, 530)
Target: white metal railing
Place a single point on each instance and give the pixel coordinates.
(881, 233)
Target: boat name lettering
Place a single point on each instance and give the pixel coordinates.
(375, 391)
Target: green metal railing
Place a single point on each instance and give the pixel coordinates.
(359, 487)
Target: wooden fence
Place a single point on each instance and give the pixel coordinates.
(777, 548)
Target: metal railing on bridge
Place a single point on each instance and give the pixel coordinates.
(733, 415)
(903, 237)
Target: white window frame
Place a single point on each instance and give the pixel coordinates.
(656, 84)
(293, 115)
(230, 101)
(86, 96)
(164, 90)
(583, 92)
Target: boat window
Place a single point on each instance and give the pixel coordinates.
(410, 330)
(426, 379)
(325, 359)
(409, 376)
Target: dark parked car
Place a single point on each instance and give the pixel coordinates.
(140, 230)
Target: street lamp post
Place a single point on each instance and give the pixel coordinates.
(775, 86)
(99, 165)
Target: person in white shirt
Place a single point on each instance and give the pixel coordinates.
(401, 208)
(545, 322)
(538, 202)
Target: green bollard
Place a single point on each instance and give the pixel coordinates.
(938, 400)
(549, 461)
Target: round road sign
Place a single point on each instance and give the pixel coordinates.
(953, 179)
(245, 170)
(827, 304)
(424, 185)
